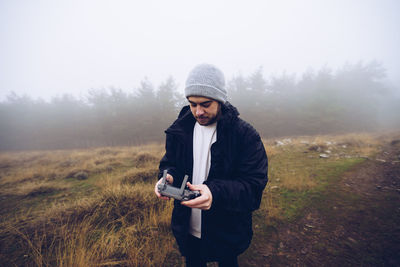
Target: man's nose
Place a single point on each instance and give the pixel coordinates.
(199, 111)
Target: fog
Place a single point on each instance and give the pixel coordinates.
(98, 73)
(353, 98)
(49, 48)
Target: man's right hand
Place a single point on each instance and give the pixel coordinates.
(169, 180)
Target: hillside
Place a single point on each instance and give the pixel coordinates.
(93, 207)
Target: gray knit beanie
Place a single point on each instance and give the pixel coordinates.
(208, 81)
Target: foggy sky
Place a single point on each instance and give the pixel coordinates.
(48, 48)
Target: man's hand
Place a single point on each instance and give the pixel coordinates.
(169, 180)
(202, 202)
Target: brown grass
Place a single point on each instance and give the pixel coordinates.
(112, 218)
(296, 166)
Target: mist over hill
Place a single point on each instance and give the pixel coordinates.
(352, 98)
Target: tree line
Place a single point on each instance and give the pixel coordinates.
(352, 98)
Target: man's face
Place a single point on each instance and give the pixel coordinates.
(205, 110)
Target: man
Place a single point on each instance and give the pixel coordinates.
(225, 160)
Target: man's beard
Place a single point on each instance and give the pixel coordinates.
(211, 120)
(203, 122)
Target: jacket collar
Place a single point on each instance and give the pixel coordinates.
(184, 124)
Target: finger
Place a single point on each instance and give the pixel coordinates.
(169, 179)
(195, 203)
(162, 197)
(190, 203)
(156, 190)
(202, 206)
(193, 187)
(158, 193)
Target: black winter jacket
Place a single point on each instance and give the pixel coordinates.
(237, 178)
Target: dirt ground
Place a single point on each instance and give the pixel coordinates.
(356, 222)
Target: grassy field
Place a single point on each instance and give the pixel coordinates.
(96, 207)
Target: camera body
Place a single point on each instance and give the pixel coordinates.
(181, 194)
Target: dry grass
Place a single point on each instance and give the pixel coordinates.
(296, 167)
(50, 217)
(33, 189)
(112, 217)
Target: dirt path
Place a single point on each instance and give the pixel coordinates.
(355, 223)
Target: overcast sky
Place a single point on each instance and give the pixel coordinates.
(52, 47)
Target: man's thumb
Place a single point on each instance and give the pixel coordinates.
(191, 187)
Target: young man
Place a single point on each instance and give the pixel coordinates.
(225, 160)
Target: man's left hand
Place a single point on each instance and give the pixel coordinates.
(202, 202)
